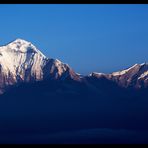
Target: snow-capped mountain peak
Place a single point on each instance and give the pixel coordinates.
(135, 76)
(23, 46)
(20, 55)
(122, 72)
(21, 61)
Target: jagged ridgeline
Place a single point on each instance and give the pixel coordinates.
(21, 61)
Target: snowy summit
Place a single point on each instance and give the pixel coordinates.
(19, 56)
(21, 61)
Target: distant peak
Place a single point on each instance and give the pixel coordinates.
(20, 41)
(96, 74)
(145, 63)
(21, 46)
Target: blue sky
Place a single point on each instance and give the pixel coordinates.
(102, 38)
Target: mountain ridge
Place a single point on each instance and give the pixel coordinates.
(21, 61)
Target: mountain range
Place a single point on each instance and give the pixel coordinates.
(21, 62)
(41, 96)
